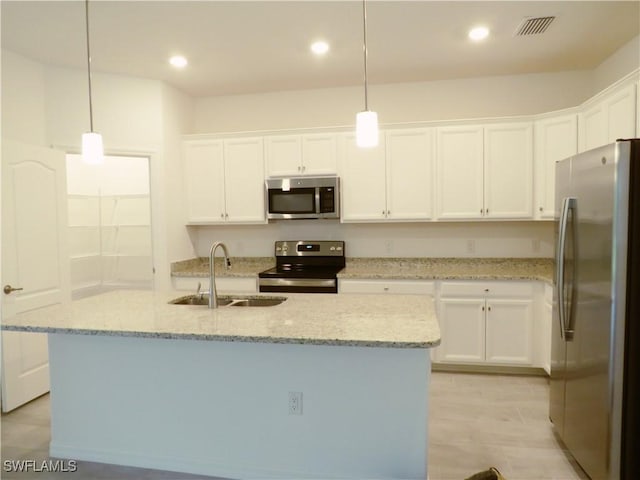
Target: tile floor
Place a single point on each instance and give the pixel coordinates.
(476, 421)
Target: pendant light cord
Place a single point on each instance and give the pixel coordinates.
(86, 11)
(364, 20)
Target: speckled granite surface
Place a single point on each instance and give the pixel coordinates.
(392, 268)
(240, 267)
(450, 268)
(392, 321)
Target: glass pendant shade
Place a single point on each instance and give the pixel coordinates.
(92, 149)
(367, 129)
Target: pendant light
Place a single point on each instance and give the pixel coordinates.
(92, 149)
(366, 121)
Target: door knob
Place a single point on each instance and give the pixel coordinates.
(8, 289)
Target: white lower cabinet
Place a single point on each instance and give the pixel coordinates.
(486, 323)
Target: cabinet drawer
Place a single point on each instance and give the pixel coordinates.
(412, 287)
(548, 293)
(487, 289)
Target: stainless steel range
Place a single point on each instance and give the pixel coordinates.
(304, 267)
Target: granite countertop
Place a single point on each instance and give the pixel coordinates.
(240, 267)
(450, 268)
(393, 321)
(392, 268)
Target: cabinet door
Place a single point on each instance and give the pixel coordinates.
(593, 128)
(555, 139)
(204, 181)
(319, 154)
(508, 331)
(462, 328)
(244, 176)
(283, 155)
(459, 173)
(363, 184)
(410, 157)
(621, 114)
(508, 175)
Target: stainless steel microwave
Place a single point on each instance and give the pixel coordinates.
(302, 197)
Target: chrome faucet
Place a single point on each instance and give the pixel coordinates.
(213, 294)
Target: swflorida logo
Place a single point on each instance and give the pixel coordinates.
(64, 466)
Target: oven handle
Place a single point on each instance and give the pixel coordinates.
(297, 282)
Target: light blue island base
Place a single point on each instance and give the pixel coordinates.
(222, 408)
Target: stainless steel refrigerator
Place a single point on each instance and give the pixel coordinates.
(595, 359)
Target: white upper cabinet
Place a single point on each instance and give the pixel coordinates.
(391, 182)
(485, 172)
(319, 154)
(244, 180)
(410, 159)
(460, 171)
(555, 138)
(311, 154)
(508, 171)
(611, 118)
(224, 181)
(203, 170)
(362, 180)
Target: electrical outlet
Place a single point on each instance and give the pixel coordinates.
(535, 245)
(295, 403)
(388, 246)
(471, 246)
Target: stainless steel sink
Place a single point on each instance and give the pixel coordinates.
(224, 300)
(258, 302)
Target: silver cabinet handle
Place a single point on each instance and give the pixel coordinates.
(9, 289)
(567, 205)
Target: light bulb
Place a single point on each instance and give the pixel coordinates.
(367, 129)
(92, 149)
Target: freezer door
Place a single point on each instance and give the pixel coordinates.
(558, 344)
(586, 430)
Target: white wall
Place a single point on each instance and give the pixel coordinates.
(397, 103)
(23, 100)
(127, 111)
(473, 239)
(624, 61)
(45, 105)
(168, 214)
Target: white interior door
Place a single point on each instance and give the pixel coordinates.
(34, 261)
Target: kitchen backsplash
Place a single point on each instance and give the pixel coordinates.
(469, 239)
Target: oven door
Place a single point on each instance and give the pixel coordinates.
(298, 285)
(292, 203)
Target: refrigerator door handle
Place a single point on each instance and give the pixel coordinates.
(567, 205)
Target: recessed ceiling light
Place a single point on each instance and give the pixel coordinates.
(478, 33)
(178, 61)
(320, 47)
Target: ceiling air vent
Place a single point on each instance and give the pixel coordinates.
(534, 26)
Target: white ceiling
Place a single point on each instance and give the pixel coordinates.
(246, 46)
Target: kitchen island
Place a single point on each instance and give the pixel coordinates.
(320, 386)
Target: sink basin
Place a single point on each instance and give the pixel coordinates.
(258, 302)
(224, 300)
(199, 300)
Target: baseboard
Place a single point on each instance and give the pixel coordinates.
(496, 369)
